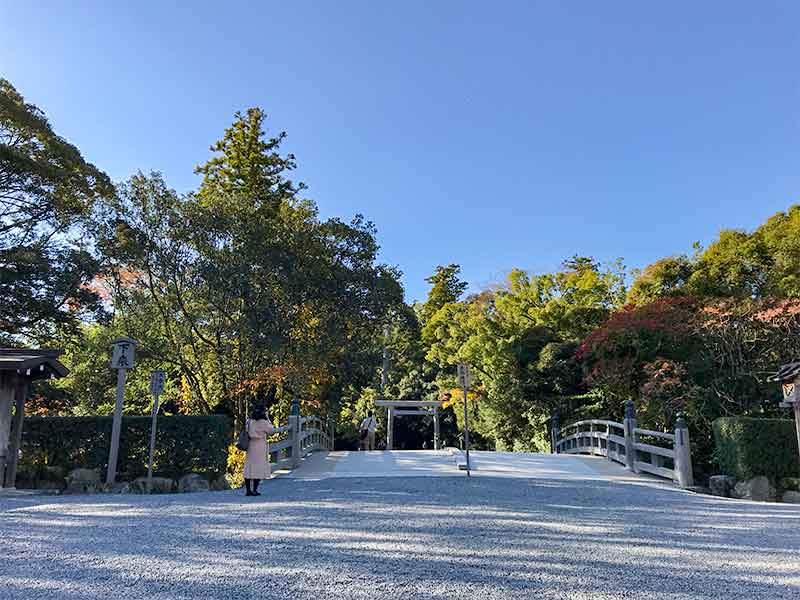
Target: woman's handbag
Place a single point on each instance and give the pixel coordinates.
(243, 443)
(364, 434)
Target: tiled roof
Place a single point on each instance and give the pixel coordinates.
(36, 364)
(787, 372)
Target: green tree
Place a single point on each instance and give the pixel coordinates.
(47, 192)
(249, 289)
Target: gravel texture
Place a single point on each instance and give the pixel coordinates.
(417, 537)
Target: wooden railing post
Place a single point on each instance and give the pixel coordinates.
(630, 436)
(683, 454)
(554, 434)
(331, 432)
(294, 433)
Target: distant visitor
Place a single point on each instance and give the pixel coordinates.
(368, 427)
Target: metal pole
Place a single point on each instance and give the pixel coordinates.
(466, 426)
(152, 444)
(115, 429)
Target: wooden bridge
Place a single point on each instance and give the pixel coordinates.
(632, 454)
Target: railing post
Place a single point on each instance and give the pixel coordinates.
(294, 423)
(683, 453)
(630, 425)
(608, 441)
(554, 434)
(331, 432)
(390, 429)
(437, 444)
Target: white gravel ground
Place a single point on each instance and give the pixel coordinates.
(416, 537)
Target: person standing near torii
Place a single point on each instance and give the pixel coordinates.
(368, 427)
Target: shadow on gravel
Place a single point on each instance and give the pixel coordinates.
(402, 538)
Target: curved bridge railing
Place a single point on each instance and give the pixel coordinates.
(289, 444)
(663, 454)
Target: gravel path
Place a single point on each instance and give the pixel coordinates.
(419, 537)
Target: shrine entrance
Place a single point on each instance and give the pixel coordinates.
(401, 408)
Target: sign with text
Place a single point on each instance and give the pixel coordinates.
(464, 378)
(157, 379)
(123, 354)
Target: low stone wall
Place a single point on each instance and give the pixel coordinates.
(89, 481)
(761, 488)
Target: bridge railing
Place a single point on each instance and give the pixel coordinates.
(659, 453)
(298, 438)
(593, 436)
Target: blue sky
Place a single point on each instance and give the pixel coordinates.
(495, 135)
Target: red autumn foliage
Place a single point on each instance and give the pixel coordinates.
(670, 317)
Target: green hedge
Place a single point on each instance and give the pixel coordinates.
(747, 447)
(184, 444)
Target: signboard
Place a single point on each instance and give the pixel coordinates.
(122, 353)
(157, 379)
(464, 378)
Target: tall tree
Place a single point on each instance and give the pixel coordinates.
(251, 290)
(47, 192)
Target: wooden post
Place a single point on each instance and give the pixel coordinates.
(21, 392)
(113, 453)
(153, 423)
(683, 454)
(390, 429)
(6, 402)
(797, 422)
(436, 442)
(294, 433)
(630, 439)
(331, 433)
(554, 434)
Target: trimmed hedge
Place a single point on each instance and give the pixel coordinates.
(747, 447)
(184, 444)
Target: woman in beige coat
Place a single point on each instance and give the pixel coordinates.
(256, 465)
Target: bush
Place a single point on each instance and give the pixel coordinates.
(196, 444)
(747, 447)
(235, 467)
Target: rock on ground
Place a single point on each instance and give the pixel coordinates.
(791, 496)
(721, 485)
(160, 485)
(81, 481)
(193, 482)
(757, 488)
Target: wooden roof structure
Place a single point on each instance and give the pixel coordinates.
(787, 373)
(32, 364)
(18, 368)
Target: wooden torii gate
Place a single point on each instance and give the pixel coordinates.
(399, 408)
